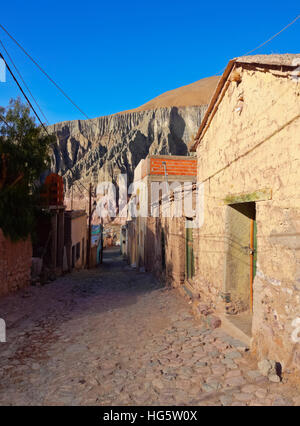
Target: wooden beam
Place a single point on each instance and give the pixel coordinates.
(258, 195)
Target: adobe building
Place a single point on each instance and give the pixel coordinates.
(248, 145)
(62, 235)
(75, 239)
(156, 234)
(50, 225)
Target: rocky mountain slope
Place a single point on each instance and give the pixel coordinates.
(100, 148)
(194, 94)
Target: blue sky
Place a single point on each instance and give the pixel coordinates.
(111, 56)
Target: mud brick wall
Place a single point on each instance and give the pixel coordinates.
(153, 258)
(174, 241)
(174, 232)
(253, 143)
(15, 264)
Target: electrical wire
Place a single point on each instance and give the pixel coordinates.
(23, 81)
(271, 38)
(24, 94)
(4, 121)
(43, 71)
(46, 74)
(62, 91)
(264, 43)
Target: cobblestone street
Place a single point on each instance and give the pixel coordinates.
(113, 336)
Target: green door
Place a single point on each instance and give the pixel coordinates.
(255, 249)
(189, 253)
(253, 257)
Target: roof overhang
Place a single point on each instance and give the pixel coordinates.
(273, 61)
(212, 103)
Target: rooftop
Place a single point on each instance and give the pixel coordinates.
(285, 59)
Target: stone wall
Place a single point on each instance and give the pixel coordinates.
(15, 264)
(167, 232)
(156, 237)
(158, 244)
(174, 234)
(253, 143)
(153, 258)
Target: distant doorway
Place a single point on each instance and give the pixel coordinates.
(240, 263)
(73, 256)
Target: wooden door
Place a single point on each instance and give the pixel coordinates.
(241, 255)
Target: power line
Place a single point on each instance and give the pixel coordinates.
(81, 183)
(19, 74)
(4, 121)
(265, 42)
(24, 94)
(43, 71)
(53, 82)
(271, 38)
(79, 188)
(15, 79)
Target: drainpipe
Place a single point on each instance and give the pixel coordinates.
(166, 177)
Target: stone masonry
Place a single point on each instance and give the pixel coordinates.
(15, 264)
(115, 336)
(249, 151)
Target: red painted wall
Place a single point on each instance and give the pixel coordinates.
(174, 166)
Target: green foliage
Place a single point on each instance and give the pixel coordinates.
(24, 155)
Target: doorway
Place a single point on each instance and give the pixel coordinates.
(241, 259)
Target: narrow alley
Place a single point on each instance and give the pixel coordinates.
(114, 336)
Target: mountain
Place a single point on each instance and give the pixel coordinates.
(100, 148)
(194, 94)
